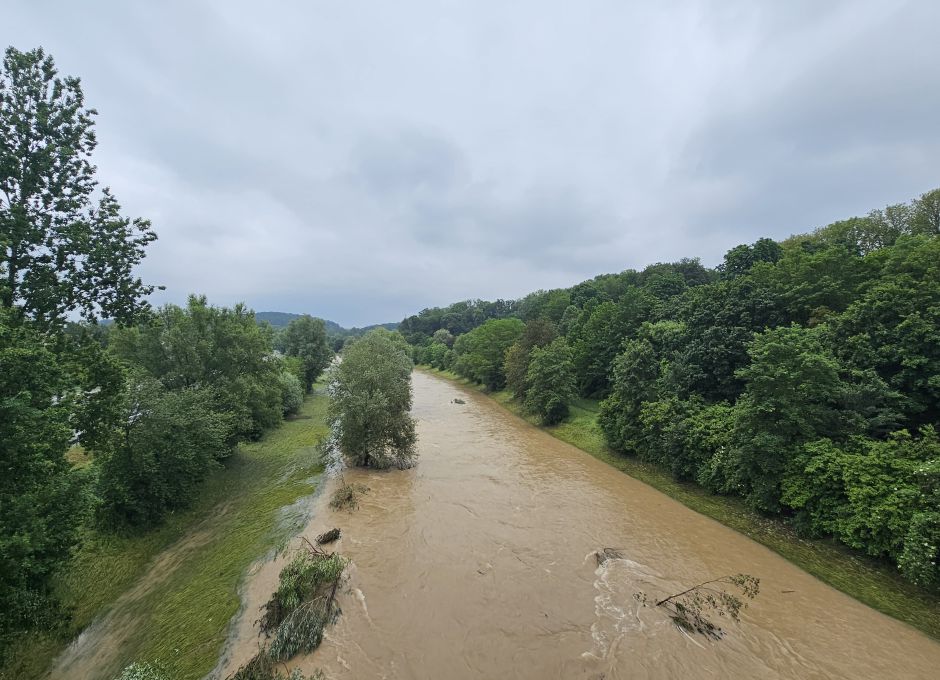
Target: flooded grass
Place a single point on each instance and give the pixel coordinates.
(869, 581)
(184, 618)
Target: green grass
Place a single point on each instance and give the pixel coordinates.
(873, 582)
(182, 621)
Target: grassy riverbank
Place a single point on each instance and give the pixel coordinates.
(184, 576)
(875, 583)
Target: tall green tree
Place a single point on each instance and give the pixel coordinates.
(65, 251)
(64, 247)
(551, 382)
(220, 348)
(481, 353)
(41, 498)
(305, 338)
(798, 392)
(370, 403)
(538, 333)
(168, 442)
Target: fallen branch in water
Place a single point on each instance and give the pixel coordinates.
(692, 608)
(298, 612)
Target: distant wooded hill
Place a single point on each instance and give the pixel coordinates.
(281, 319)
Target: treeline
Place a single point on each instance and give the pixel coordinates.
(156, 399)
(801, 375)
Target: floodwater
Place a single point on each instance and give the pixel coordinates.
(478, 563)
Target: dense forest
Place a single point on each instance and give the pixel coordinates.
(801, 375)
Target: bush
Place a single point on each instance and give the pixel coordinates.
(292, 393)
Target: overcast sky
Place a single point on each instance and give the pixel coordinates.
(363, 160)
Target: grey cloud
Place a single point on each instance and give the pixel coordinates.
(364, 161)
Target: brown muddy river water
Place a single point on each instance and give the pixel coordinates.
(478, 563)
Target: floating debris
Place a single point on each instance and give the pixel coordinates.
(328, 536)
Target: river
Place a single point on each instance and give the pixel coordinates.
(478, 563)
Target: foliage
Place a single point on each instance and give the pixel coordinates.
(292, 393)
(42, 501)
(797, 392)
(346, 496)
(538, 333)
(157, 461)
(65, 251)
(62, 247)
(310, 574)
(877, 496)
(456, 319)
(692, 609)
(305, 338)
(481, 353)
(601, 336)
(298, 612)
(217, 348)
(371, 402)
(551, 382)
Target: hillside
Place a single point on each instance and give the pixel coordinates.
(281, 319)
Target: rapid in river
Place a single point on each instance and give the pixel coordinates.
(478, 563)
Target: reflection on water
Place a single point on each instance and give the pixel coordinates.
(478, 564)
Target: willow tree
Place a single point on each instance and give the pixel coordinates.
(371, 402)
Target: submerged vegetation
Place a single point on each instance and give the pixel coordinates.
(295, 617)
(346, 497)
(693, 609)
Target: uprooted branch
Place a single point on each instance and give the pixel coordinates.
(298, 612)
(692, 608)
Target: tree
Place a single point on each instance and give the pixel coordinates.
(65, 251)
(740, 259)
(169, 441)
(63, 248)
(215, 347)
(41, 500)
(551, 382)
(926, 214)
(601, 337)
(305, 338)
(481, 352)
(797, 392)
(444, 337)
(538, 333)
(370, 402)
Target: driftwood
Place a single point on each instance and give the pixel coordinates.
(328, 536)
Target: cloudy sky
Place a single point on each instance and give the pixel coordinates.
(363, 160)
